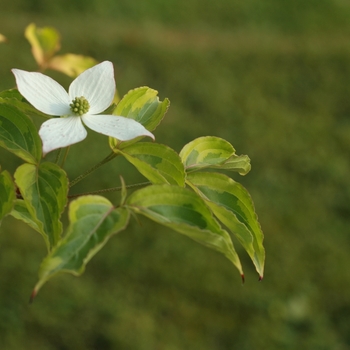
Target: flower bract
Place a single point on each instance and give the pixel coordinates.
(91, 93)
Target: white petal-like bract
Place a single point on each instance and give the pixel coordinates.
(61, 132)
(97, 85)
(44, 93)
(121, 128)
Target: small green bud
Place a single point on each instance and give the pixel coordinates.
(80, 105)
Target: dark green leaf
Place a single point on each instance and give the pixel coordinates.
(158, 163)
(11, 93)
(18, 133)
(233, 206)
(185, 212)
(44, 190)
(93, 220)
(20, 212)
(14, 98)
(7, 193)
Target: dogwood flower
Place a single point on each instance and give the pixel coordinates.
(88, 95)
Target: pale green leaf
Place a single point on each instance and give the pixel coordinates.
(213, 152)
(45, 43)
(71, 64)
(7, 193)
(233, 206)
(185, 212)
(44, 189)
(158, 163)
(141, 104)
(93, 220)
(240, 164)
(206, 151)
(18, 133)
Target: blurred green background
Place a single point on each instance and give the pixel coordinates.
(273, 78)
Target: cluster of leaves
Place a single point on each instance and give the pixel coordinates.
(183, 192)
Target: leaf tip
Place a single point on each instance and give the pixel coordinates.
(243, 278)
(260, 278)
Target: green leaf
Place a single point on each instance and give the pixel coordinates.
(185, 212)
(20, 212)
(14, 98)
(239, 164)
(141, 104)
(93, 220)
(11, 93)
(7, 194)
(213, 152)
(45, 43)
(44, 190)
(206, 151)
(18, 133)
(158, 163)
(71, 64)
(233, 206)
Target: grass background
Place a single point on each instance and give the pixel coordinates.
(272, 78)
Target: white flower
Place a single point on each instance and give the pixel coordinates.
(89, 94)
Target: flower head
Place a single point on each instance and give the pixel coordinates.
(89, 94)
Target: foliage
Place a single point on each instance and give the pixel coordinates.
(179, 194)
(282, 98)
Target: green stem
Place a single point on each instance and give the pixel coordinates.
(89, 171)
(112, 189)
(65, 156)
(58, 155)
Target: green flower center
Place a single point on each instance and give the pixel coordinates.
(80, 105)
